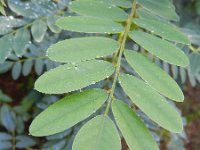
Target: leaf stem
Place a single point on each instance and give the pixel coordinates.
(122, 41)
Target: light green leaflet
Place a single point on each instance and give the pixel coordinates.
(133, 129)
(81, 49)
(99, 133)
(145, 14)
(67, 112)
(89, 25)
(98, 9)
(120, 3)
(38, 30)
(71, 77)
(160, 48)
(151, 103)
(162, 8)
(163, 29)
(154, 76)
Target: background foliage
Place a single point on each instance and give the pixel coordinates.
(27, 29)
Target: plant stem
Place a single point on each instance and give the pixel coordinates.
(120, 51)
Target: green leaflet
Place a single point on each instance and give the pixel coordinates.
(151, 103)
(81, 49)
(99, 133)
(160, 48)
(163, 29)
(89, 25)
(71, 77)
(154, 76)
(38, 30)
(144, 14)
(6, 47)
(67, 112)
(98, 9)
(21, 41)
(162, 8)
(120, 3)
(133, 129)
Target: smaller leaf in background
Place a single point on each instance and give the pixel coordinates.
(81, 49)
(194, 63)
(71, 77)
(67, 112)
(7, 119)
(160, 48)
(39, 66)
(98, 9)
(5, 145)
(21, 41)
(23, 141)
(5, 136)
(16, 70)
(4, 98)
(23, 9)
(7, 23)
(89, 25)
(27, 66)
(6, 47)
(99, 133)
(133, 129)
(38, 30)
(51, 22)
(151, 103)
(154, 76)
(6, 66)
(164, 8)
